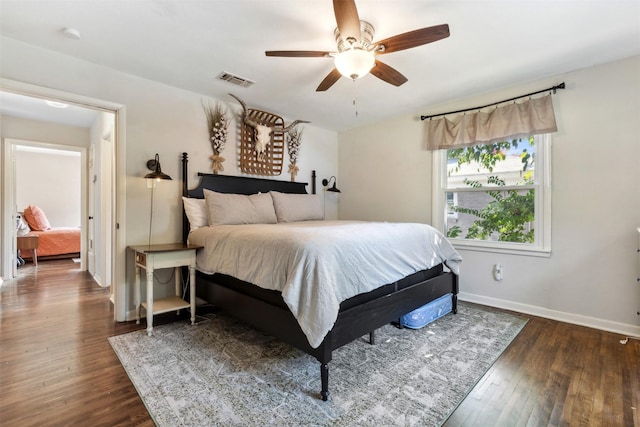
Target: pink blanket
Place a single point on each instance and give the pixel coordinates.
(57, 241)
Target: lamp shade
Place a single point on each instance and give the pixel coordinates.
(354, 63)
(154, 165)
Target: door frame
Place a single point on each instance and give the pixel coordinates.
(118, 196)
(11, 185)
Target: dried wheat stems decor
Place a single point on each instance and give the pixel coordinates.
(218, 124)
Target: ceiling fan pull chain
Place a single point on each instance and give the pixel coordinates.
(355, 98)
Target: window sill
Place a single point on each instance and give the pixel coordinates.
(506, 248)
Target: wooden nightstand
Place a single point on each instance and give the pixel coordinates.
(172, 255)
(29, 242)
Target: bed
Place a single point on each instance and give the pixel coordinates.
(57, 242)
(270, 309)
(53, 242)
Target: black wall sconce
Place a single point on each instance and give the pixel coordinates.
(325, 183)
(157, 174)
(154, 165)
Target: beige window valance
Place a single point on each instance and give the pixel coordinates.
(532, 117)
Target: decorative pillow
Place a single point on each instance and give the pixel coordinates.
(229, 209)
(22, 228)
(36, 218)
(196, 210)
(297, 207)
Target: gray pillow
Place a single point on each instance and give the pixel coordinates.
(297, 207)
(230, 209)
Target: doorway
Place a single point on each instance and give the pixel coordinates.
(101, 173)
(49, 180)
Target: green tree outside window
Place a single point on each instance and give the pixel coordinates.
(510, 213)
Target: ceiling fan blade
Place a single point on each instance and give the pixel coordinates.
(388, 74)
(328, 81)
(299, 53)
(414, 38)
(347, 19)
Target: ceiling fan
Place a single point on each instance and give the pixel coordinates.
(356, 55)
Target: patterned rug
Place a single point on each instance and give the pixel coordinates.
(222, 372)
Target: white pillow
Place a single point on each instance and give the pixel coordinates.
(196, 210)
(22, 228)
(297, 207)
(229, 209)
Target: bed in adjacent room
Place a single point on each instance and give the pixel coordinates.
(58, 242)
(270, 260)
(53, 242)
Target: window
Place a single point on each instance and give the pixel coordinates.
(495, 197)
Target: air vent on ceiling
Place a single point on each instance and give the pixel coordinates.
(236, 80)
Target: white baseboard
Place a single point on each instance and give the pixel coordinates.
(576, 319)
(98, 280)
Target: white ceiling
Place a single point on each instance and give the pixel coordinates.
(187, 43)
(27, 107)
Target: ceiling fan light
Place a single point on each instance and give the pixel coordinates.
(354, 63)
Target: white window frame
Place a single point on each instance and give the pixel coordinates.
(542, 222)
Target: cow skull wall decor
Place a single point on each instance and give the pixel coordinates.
(262, 133)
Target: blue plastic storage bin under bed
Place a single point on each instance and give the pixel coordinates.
(427, 313)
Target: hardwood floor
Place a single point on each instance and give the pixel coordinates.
(558, 374)
(57, 368)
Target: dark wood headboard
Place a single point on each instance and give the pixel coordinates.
(236, 185)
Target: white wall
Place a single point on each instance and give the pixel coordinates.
(159, 119)
(385, 172)
(52, 133)
(51, 181)
(590, 277)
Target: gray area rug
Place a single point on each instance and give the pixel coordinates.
(222, 372)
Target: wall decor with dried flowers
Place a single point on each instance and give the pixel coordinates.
(217, 124)
(294, 139)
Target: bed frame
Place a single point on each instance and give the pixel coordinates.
(265, 310)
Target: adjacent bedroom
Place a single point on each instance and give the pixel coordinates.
(48, 200)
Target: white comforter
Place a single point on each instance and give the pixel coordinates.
(318, 264)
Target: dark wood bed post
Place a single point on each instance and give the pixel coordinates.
(185, 185)
(454, 296)
(185, 188)
(324, 380)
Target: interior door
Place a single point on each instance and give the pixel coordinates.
(106, 201)
(101, 202)
(10, 189)
(91, 253)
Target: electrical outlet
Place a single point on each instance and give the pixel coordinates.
(497, 272)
